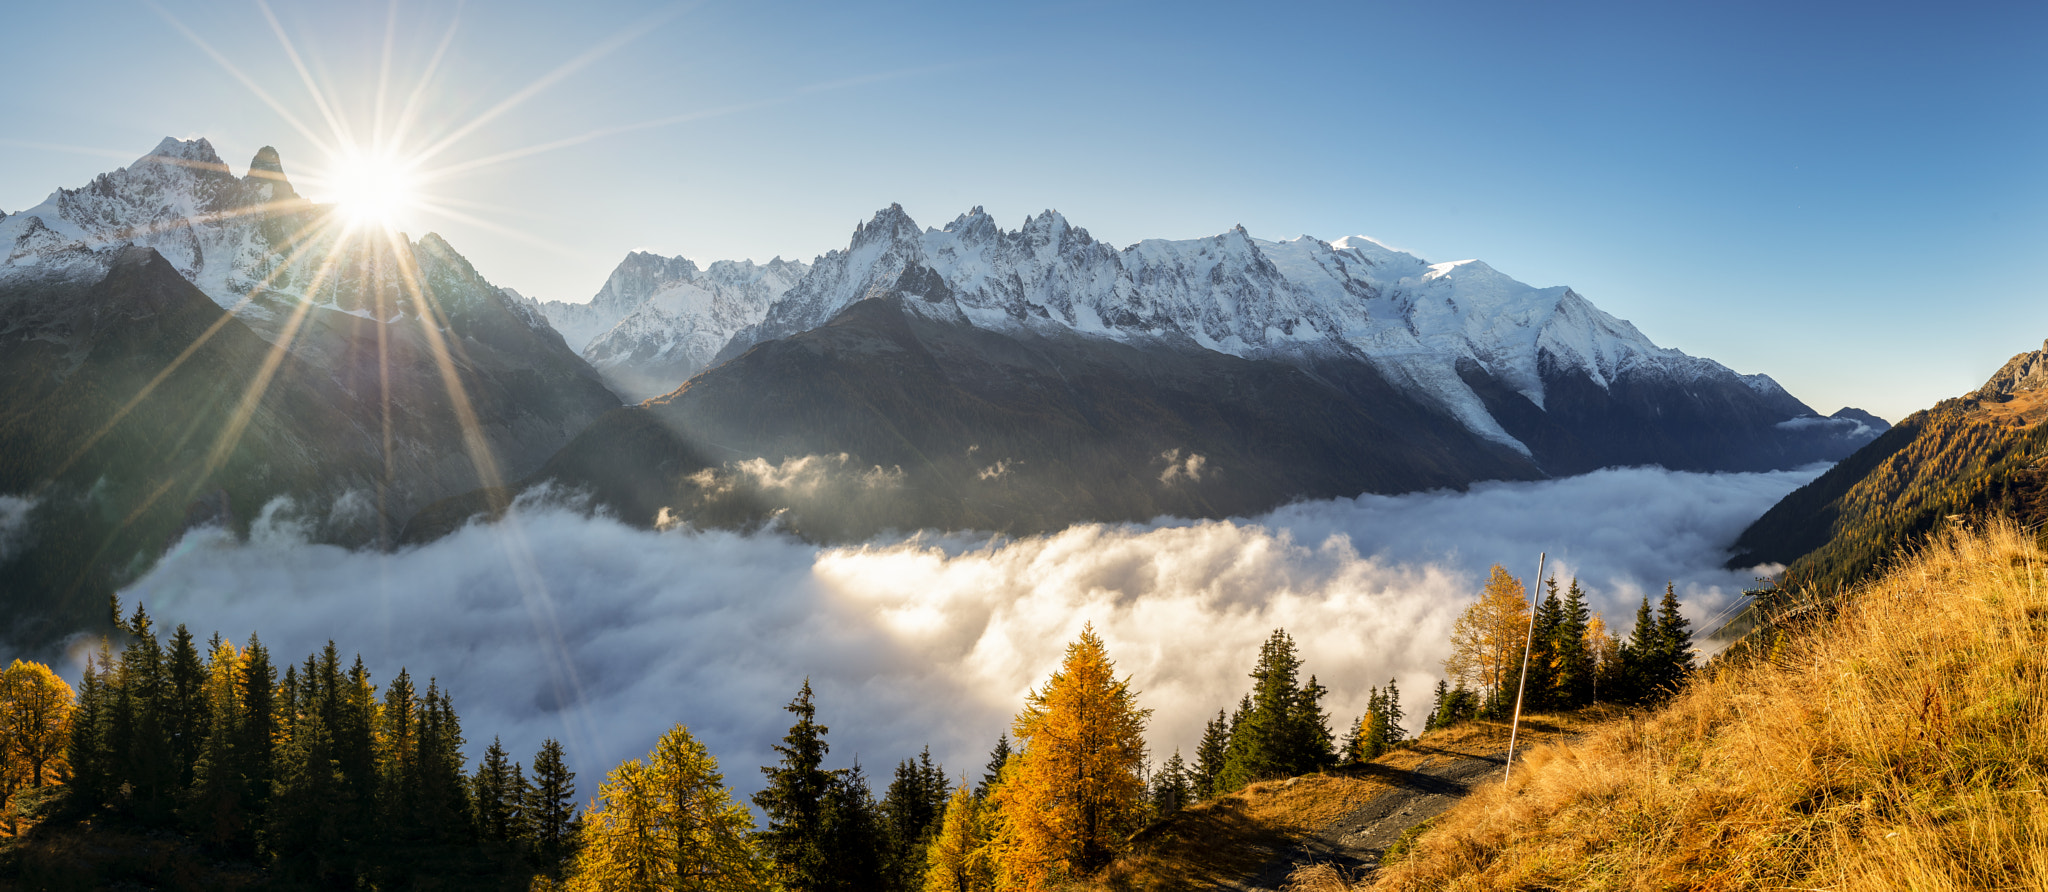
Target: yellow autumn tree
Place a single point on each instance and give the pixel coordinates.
(1075, 789)
(1486, 642)
(958, 859)
(35, 724)
(1600, 647)
(668, 823)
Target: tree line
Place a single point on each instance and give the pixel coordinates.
(326, 781)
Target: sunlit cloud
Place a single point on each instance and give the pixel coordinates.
(935, 639)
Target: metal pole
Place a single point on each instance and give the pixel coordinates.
(1522, 684)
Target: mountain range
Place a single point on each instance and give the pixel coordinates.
(1961, 459)
(186, 346)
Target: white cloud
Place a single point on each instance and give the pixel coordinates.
(554, 623)
(14, 513)
(1178, 468)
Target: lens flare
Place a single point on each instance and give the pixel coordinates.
(373, 190)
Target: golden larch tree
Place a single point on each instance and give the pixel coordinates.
(35, 721)
(1076, 789)
(1486, 642)
(668, 823)
(958, 858)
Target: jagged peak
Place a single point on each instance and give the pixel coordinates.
(195, 153)
(890, 222)
(266, 167)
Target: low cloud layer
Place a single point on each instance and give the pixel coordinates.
(553, 623)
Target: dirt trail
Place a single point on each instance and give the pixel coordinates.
(1355, 842)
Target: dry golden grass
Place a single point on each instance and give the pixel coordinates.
(1232, 837)
(1901, 745)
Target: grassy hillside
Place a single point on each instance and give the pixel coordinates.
(1230, 838)
(1902, 744)
(1971, 455)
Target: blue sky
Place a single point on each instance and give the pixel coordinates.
(1849, 197)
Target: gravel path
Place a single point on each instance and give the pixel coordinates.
(1355, 842)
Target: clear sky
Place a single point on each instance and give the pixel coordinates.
(1851, 197)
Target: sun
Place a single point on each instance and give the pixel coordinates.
(373, 190)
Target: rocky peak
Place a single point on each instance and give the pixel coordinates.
(2020, 374)
(266, 169)
(890, 224)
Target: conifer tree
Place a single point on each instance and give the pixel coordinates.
(185, 712)
(1674, 642)
(495, 796)
(1544, 656)
(1280, 729)
(398, 769)
(216, 804)
(911, 810)
(1172, 787)
(1075, 791)
(1639, 658)
(1436, 709)
(1209, 755)
(302, 827)
(1572, 685)
(794, 799)
(87, 750)
(993, 774)
(256, 725)
(853, 839)
(958, 859)
(143, 763)
(667, 823)
(552, 806)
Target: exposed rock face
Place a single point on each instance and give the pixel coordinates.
(2025, 373)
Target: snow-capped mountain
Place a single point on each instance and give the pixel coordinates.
(659, 320)
(250, 243)
(1019, 381)
(466, 382)
(1420, 324)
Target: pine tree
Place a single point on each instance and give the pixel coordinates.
(1209, 755)
(911, 810)
(1075, 792)
(91, 778)
(1537, 689)
(1437, 714)
(494, 796)
(256, 725)
(1172, 787)
(1572, 686)
(853, 838)
(1637, 677)
(185, 712)
(794, 799)
(1280, 730)
(216, 804)
(1674, 643)
(142, 762)
(1391, 707)
(552, 805)
(302, 828)
(398, 769)
(993, 774)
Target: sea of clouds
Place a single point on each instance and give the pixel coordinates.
(556, 622)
